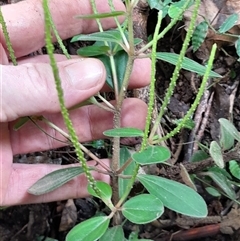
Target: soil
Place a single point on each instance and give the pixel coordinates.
(52, 221)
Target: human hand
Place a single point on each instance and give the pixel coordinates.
(29, 89)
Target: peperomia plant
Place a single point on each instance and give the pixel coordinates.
(116, 49)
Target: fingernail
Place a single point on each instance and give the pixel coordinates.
(85, 73)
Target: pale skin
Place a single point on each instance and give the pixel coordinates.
(28, 89)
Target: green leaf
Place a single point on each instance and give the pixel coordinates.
(120, 59)
(54, 180)
(177, 7)
(123, 132)
(101, 15)
(155, 4)
(220, 170)
(213, 191)
(137, 41)
(113, 47)
(113, 234)
(228, 23)
(187, 64)
(105, 190)
(199, 155)
(142, 209)
(174, 195)
(188, 124)
(89, 230)
(90, 51)
(234, 168)
(174, 11)
(230, 128)
(109, 36)
(216, 154)
(160, 5)
(133, 236)
(122, 182)
(237, 46)
(98, 144)
(152, 155)
(221, 180)
(199, 35)
(226, 139)
(89, 101)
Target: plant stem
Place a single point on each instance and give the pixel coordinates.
(7, 39)
(150, 107)
(125, 41)
(197, 99)
(72, 134)
(169, 26)
(117, 113)
(59, 40)
(152, 84)
(176, 70)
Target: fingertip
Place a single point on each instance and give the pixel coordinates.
(84, 74)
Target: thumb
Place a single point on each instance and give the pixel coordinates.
(29, 89)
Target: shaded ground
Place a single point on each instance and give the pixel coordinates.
(54, 220)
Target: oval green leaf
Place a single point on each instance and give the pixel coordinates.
(109, 36)
(176, 8)
(226, 139)
(222, 181)
(234, 168)
(105, 190)
(142, 209)
(89, 230)
(187, 64)
(90, 51)
(120, 60)
(152, 155)
(198, 156)
(54, 180)
(174, 195)
(213, 191)
(228, 23)
(199, 35)
(123, 182)
(124, 132)
(230, 128)
(113, 234)
(216, 154)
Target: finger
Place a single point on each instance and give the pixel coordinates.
(89, 123)
(25, 21)
(43, 59)
(5, 160)
(23, 176)
(140, 75)
(30, 88)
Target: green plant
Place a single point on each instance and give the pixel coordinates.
(225, 150)
(116, 49)
(201, 30)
